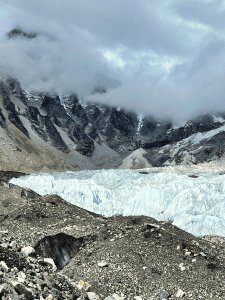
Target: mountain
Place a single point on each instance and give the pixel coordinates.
(51, 132)
(37, 133)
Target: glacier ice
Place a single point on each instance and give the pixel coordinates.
(196, 205)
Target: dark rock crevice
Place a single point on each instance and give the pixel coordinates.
(61, 247)
(2, 120)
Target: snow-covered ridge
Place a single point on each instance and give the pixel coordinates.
(218, 119)
(196, 205)
(200, 136)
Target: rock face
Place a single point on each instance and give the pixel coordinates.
(79, 131)
(37, 133)
(18, 33)
(44, 113)
(121, 258)
(115, 127)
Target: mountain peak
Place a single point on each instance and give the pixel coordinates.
(19, 33)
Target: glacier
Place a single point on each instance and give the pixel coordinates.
(195, 204)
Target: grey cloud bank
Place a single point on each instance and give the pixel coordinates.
(165, 58)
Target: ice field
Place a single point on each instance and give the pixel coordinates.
(196, 205)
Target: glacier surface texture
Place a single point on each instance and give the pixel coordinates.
(196, 205)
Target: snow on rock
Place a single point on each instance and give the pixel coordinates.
(201, 136)
(193, 203)
(218, 119)
(140, 123)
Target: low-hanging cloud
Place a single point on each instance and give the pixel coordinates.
(159, 57)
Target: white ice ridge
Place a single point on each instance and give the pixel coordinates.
(196, 205)
(201, 136)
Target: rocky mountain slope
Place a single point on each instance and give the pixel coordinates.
(78, 254)
(47, 132)
(38, 134)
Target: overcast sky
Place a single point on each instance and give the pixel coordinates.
(161, 57)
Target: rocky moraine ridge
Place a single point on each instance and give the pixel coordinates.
(50, 249)
(94, 136)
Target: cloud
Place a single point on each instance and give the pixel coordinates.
(154, 57)
(208, 12)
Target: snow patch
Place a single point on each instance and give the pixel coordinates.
(140, 123)
(218, 119)
(200, 136)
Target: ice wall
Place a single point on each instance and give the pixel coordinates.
(196, 205)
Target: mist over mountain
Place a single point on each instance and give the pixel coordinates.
(164, 58)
